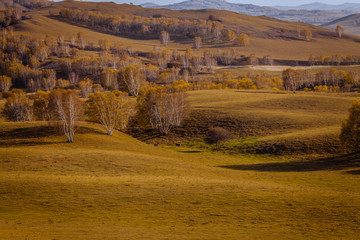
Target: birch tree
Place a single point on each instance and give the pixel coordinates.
(197, 42)
(85, 87)
(110, 109)
(290, 79)
(339, 31)
(67, 108)
(131, 79)
(307, 34)
(162, 108)
(164, 38)
(5, 83)
(17, 107)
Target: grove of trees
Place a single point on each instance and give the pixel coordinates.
(162, 107)
(110, 109)
(210, 30)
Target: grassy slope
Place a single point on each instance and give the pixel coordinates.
(265, 121)
(349, 23)
(116, 187)
(41, 24)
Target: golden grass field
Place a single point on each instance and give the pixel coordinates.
(262, 121)
(284, 175)
(42, 24)
(103, 187)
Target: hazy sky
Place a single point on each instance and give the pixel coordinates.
(256, 2)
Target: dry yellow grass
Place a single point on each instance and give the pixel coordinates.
(117, 187)
(41, 24)
(104, 187)
(272, 121)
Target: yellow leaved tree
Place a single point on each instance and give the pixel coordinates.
(110, 109)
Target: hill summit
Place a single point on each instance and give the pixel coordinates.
(351, 24)
(312, 16)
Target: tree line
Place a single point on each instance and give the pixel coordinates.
(160, 108)
(335, 60)
(323, 80)
(157, 26)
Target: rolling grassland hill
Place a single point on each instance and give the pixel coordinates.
(268, 36)
(116, 187)
(323, 6)
(309, 14)
(283, 175)
(282, 123)
(351, 24)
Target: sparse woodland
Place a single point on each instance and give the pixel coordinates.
(119, 121)
(42, 67)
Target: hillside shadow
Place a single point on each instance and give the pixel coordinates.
(122, 35)
(127, 35)
(29, 132)
(41, 132)
(36, 136)
(355, 172)
(24, 143)
(262, 92)
(333, 163)
(146, 135)
(190, 151)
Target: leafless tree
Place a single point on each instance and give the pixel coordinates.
(67, 108)
(339, 31)
(61, 39)
(267, 60)
(164, 38)
(185, 61)
(218, 135)
(81, 40)
(109, 79)
(73, 78)
(197, 42)
(5, 83)
(290, 78)
(210, 63)
(49, 81)
(197, 63)
(17, 107)
(163, 108)
(131, 79)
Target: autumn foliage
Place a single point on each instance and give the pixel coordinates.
(17, 107)
(5, 83)
(163, 108)
(110, 109)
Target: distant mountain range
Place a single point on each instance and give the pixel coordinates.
(323, 6)
(351, 24)
(316, 13)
